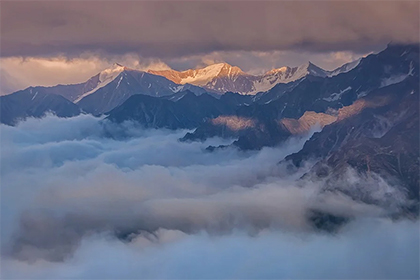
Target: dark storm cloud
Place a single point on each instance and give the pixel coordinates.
(171, 28)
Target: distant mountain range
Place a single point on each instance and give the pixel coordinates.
(222, 77)
(112, 87)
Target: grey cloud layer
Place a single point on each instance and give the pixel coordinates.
(171, 28)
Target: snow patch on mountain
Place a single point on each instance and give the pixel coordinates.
(345, 68)
(177, 89)
(201, 77)
(336, 95)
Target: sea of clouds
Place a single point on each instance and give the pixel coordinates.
(79, 200)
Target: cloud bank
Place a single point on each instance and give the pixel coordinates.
(77, 204)
(174, 28)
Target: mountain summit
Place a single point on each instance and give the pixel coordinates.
(104, 77)
(200, 76)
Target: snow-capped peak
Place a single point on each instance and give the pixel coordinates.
(204, 75)
(285, 75)
(222, 77)
(200, 76)
(311, 69)
(105, 77)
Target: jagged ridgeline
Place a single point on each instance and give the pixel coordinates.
(112, 87)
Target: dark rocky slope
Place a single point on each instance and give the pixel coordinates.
(187, 112)
(377, 140)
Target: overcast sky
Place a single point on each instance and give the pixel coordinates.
(50, 42)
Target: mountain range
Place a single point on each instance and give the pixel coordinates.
(112, 87)
(367, 114)
(368, 119)
(222, 77)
